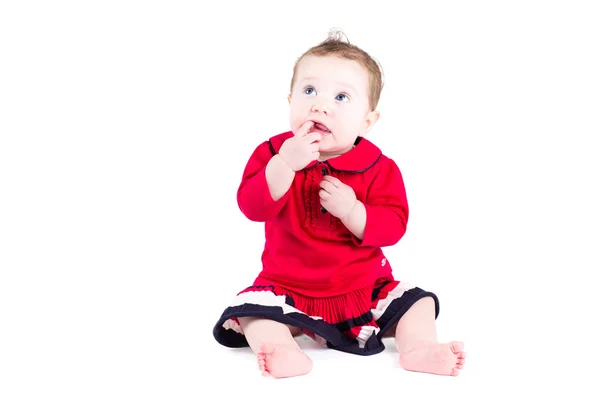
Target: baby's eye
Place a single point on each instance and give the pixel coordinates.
(309, 91)
(342, 97)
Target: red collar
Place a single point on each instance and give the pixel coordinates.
(362, 157)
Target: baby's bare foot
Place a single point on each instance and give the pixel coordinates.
(281, 362)
(440, 359)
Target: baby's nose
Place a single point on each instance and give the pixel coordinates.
(320, 107)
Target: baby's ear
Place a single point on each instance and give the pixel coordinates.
(290, 98)
(370, 120)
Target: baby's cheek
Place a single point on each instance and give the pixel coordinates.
(295, 124)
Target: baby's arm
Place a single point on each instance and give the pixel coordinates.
(356, 220)
(279, 177)
(264, 187)
(384, 214)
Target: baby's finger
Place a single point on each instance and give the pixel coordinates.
(327, 186)
(313, 137)
(304, 128)
(334, 181)
(324, 195)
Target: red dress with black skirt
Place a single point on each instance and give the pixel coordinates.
(316, 274)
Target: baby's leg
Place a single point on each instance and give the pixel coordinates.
(277, 353)
(295, 331)
(416, 340)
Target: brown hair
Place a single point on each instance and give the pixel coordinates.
(334, 45)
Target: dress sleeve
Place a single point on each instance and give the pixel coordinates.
(253, 195)
(387, 208)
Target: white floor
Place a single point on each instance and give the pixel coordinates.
(342, 375)
(495, 369)
(164, 352)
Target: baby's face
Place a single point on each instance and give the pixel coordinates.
(334, 92)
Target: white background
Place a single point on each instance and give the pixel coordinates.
(125, 127)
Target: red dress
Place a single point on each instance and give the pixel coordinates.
(316, 274)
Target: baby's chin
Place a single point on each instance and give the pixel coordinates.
(326, 149)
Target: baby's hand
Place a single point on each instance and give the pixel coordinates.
(299, 150)
(336, 197)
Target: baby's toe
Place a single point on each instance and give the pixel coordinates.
(457, 347)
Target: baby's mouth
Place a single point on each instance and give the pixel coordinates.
(320, 127)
